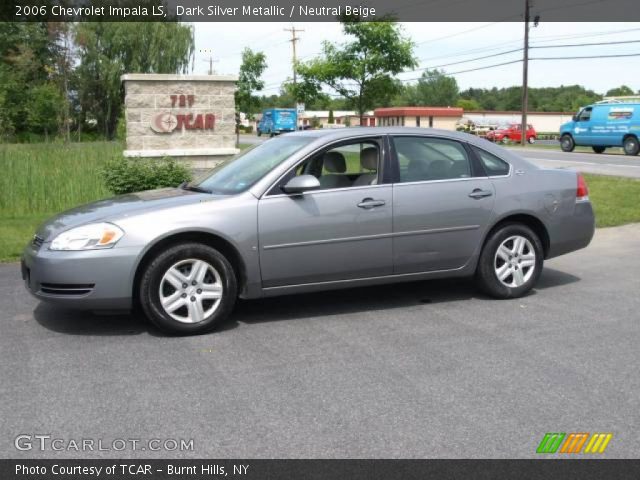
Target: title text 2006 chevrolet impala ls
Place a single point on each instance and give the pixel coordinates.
(310, 211)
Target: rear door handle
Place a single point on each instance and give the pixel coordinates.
(479, 193)
(371, 203)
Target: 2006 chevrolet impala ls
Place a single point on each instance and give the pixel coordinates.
(310, 211)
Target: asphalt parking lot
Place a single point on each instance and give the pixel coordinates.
(421, 370)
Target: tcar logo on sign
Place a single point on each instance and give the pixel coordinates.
(573, 443)
(167, 122)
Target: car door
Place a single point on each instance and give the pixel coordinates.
(341, 231)
(582, 134)
(442, 203)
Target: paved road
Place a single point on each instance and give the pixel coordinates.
(428, 369)
(603, 164)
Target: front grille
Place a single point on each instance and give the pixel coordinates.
(37, 241)
(66, 289)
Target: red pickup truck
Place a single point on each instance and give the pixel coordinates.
(511, 133)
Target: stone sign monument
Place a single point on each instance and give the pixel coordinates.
(187, 117)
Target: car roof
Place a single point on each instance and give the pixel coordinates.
(330, 134)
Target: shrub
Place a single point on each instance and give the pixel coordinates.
(125, 175)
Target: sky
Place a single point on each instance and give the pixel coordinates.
(439, 44)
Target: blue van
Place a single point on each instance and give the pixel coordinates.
(277, 120)
(604, 124)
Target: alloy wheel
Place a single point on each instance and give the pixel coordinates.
(515, 261)
(190, 290)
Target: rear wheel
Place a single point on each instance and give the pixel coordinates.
(631, 145)
(599, 149)
(505, 140)
(511, 262)
(188, 289)
(531, 140)
(566, 143)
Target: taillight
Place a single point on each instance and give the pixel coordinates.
(582, 192)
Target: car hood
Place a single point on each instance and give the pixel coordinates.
(111, 209)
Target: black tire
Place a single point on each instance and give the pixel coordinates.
(566, 143)
(599, 149)
(149, 290)
(631, 146)
(486, 276)
(259, 133)
(531, 140)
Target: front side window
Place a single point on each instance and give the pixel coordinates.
(352, 164)
(240, 172)
(423, 159)
(585, 115)
(493, 165)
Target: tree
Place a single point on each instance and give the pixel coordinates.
(25, 53)
(331, 120)
(621, 91)
(253, 65)
(107, 50)
(468, 105)
(361, 70)
(434, 89)
(45, 108)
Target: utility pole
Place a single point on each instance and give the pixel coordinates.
(293, 41)
(525, 75)
(211, 60)
(294, 60)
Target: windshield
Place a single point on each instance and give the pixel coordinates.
(243, 170)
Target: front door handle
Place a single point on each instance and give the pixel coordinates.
(479, 193)
(370, 203)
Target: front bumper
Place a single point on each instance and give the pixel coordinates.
(92, 279)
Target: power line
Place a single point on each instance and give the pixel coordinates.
(551, 38)
(586, 44)
(457, 34)
(465, 61)
(468, 70)
(620, 55)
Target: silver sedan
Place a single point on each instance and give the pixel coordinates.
(311, 211)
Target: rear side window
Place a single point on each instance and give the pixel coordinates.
(425, 158)
(493, 165)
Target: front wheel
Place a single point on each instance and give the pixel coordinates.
(511, 262)
(188, 289)
(566, 143)
(531, 140)
(631, 146)
(598, 149)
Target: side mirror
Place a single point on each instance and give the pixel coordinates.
(575, 118)
(301, 184)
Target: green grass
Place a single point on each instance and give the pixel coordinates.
(51, 177)
(616, 200)
(39, 180)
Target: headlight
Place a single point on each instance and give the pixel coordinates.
(88, 237)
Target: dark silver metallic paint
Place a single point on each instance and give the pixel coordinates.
(320, 239)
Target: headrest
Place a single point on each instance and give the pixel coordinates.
(369, 158)
(334, 162)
